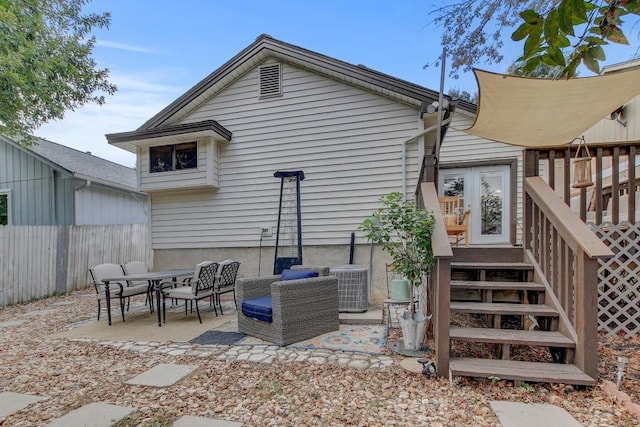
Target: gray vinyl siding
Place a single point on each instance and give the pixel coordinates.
(40, 194)
(607, 130)
(346, 140)
(460, 148)
(96, 205)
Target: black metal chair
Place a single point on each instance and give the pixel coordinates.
(199, 287)
(226, 282)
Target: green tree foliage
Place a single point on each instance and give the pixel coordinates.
(45, 63)
(456, 93)
(542, 71)
(404, 231)
(558, 33)
(582, 26)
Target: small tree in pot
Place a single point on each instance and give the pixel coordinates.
(404, 231)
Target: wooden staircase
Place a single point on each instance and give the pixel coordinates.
(506, 308)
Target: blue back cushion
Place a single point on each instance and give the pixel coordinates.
(258, 308)
(297, 274)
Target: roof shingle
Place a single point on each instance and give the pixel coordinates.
(85, 165)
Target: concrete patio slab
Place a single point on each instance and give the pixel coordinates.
(143, 326)
(516, 414)
(162, 375)
(12, 402)
(373, 316)
(93, 415)
(191, 421)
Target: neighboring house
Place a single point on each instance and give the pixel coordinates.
(50, 184)
(207, 160)
(622, 124)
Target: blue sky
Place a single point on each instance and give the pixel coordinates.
(158, 49)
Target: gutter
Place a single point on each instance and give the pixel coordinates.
(109, 184)
(404, 151)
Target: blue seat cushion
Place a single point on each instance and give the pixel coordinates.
(258, 308)
(297, 274)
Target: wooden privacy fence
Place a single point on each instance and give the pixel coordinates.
(37, 261)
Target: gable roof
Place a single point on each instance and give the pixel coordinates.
(80, 164)
(265, 47)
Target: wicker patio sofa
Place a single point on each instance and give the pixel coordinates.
(299, 309)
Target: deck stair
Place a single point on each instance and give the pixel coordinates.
(503, 296)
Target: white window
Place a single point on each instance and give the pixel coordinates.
(5, 208)
(173, 157)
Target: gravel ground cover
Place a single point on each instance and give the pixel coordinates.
(70, 374)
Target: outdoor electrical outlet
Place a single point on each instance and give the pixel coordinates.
(265, 231)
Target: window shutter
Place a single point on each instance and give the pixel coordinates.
(270, 80)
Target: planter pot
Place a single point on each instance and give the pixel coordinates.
(413, 330)
(400, 289)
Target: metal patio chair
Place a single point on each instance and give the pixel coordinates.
(198, 287)
(119, 290)
(226, 282)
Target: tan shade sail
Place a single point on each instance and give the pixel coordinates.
(547, 113)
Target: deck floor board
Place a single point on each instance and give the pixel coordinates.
(517, 370)
(511, 336)
(503, 308)
(496, 286)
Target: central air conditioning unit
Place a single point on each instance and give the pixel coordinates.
(353, 287)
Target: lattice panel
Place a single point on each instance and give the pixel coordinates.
(618, 287)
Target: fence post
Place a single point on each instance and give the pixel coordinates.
(62, 258)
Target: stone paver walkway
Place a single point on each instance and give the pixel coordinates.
(12, 402)
(254, 353)
(517, 414)
(93, 415)
(162, 375)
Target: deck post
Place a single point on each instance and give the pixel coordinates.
(586, 325)
(531, 168)
(442, 299)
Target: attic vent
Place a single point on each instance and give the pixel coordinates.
(270, 80)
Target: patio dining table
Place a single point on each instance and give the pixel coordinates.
(153, 277)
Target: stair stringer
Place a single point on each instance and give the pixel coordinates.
(551, 299)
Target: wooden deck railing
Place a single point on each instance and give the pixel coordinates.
(439, 279)
(565, 253)
(611, 208)
(614, 167)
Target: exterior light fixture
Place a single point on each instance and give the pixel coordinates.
(582, 166)
(622, 363)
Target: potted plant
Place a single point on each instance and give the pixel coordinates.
(404, 231)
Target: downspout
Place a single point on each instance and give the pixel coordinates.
(404, 152)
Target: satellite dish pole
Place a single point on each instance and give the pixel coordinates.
(288, 250)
